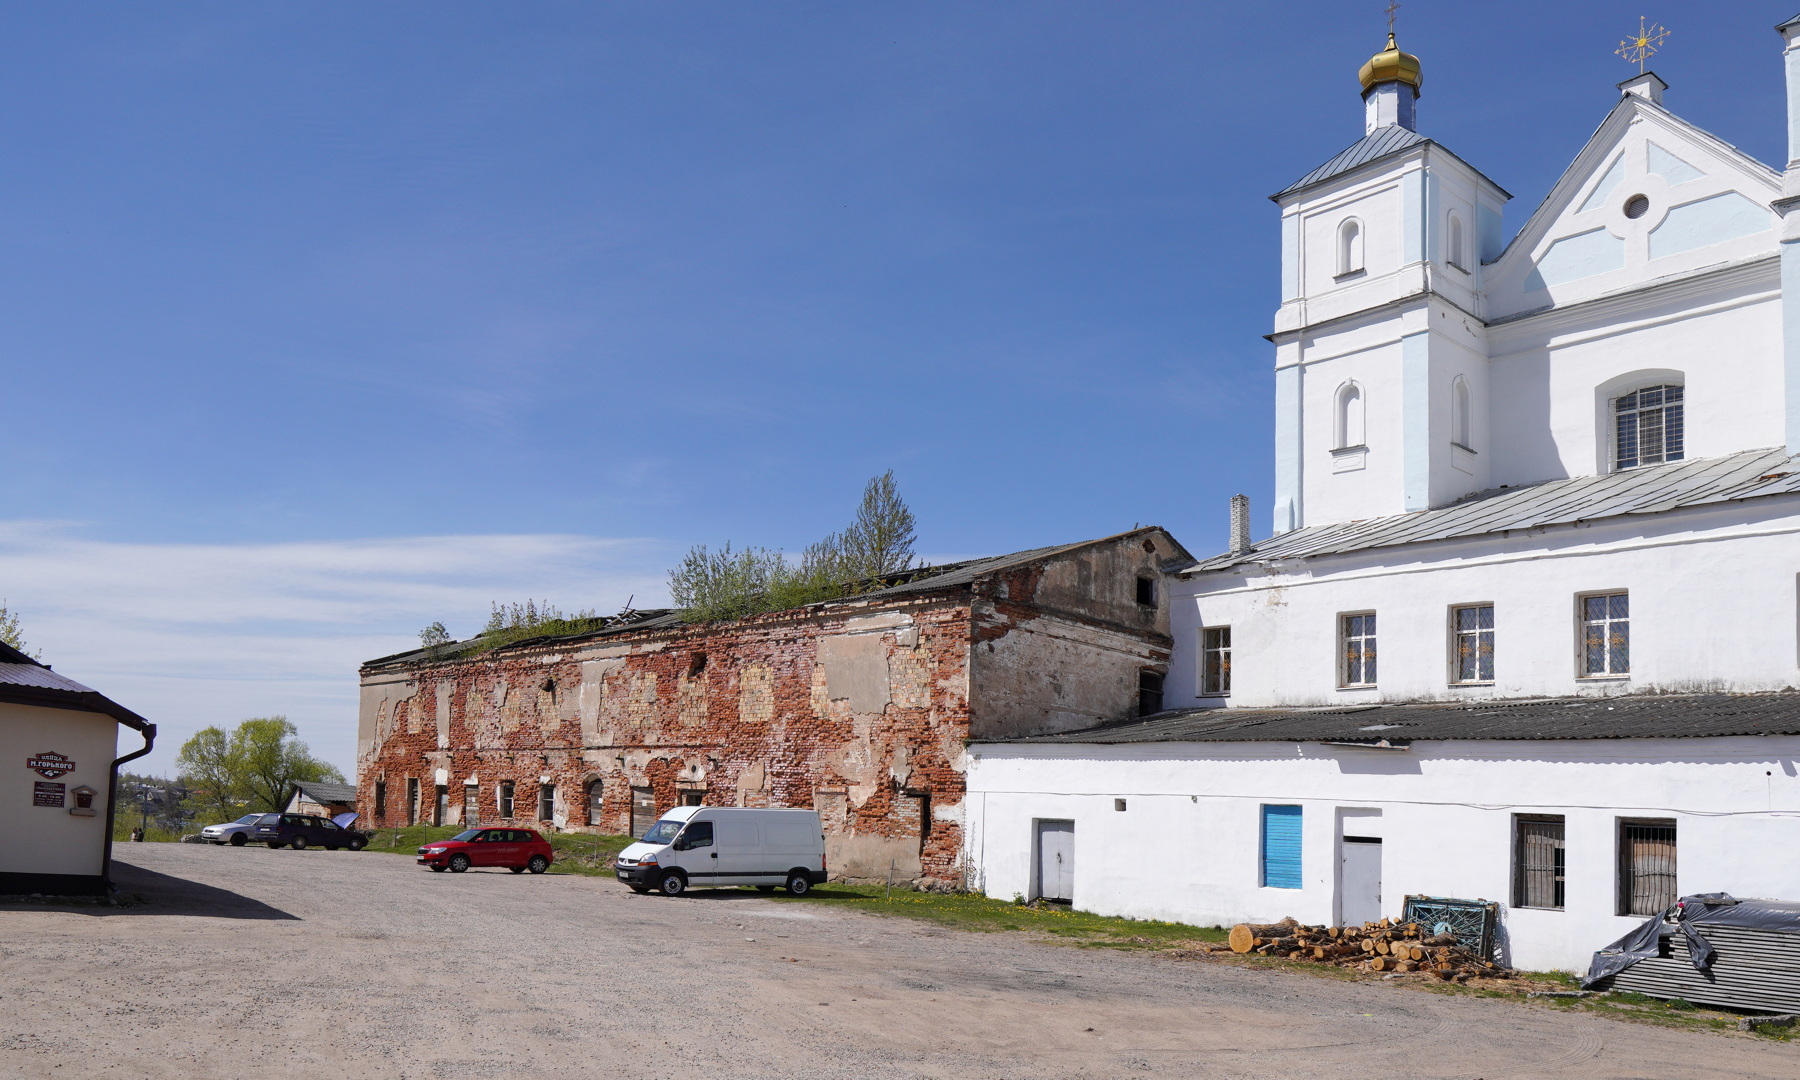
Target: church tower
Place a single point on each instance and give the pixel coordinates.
(1381, 350)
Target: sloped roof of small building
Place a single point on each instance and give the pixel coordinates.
(1383, 142)
(24, 681)
(1634, 716)
(326, 793)
(1649, 490)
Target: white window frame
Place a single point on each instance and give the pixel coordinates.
(1462, 414)
(1638, 459)
(1582, 622)
(1224, 653)
(1350, 243)
(1344, 637)
(1457, 243)
(1457, 634)
(1350, 416)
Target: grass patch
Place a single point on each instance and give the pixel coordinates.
(971, 911)
(576, 853)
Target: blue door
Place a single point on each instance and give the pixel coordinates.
(1281, 847)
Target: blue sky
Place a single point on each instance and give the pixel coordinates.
(323, 321)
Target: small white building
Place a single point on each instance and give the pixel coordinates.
(1537, 526)
(59, 741)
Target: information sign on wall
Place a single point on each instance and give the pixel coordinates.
(43, 794)
(49, 766)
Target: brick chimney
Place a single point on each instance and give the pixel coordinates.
(1240, 524)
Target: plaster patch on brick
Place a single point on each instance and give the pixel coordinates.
(856, 671)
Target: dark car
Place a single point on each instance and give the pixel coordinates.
(518, 850)
(301, 831)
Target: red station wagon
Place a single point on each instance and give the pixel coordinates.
(518, 850)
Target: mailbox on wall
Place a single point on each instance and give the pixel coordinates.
(84, 801)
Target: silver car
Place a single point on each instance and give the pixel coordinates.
(236, 833)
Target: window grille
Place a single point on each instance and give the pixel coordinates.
(1215, 661)
(1150, 693)
(506, 798)
(1359, 650)
(1538, 866)
(1646, 867)
(1648, 427)
(546, 801)
(1606, 634)
(1475, 643)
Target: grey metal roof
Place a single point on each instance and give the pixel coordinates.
(39, 676)
(1636, 716)
(1377, 144)
(24, 681)
(327, 793)
(1649, 490)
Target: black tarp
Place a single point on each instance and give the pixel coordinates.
(1687, 914)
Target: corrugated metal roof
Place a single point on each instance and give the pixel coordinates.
(327, 793)
(1637, 716)
(39, 676)
(1649, 490)
(1377, 144)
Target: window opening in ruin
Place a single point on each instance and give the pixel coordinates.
(1474, 653)
(924, 820)
(1646, 866)
(1538, 862)
(643, 810)
(380, 801)
(1146, 591)
(506, 799)
(1150, 692)
(696, 664)
(1606, 635)
(1359, 650)
(1215, 661)
(471, 804)
(593, 802)
(412, 800)
(1119, 805)
(440, 805)
(1648, 427)
(690, 797)
(546, 801)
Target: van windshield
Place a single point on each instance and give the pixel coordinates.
(663, 831)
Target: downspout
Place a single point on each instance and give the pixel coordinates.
(112, 800)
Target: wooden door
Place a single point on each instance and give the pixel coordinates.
(643, 810)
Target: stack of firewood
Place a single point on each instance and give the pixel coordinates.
(1382, 946)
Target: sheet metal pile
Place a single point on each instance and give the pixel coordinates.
(1710, 949)
(1376, 946)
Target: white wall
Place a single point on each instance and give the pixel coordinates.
(43, 840)
(1713, 606)
(1186, 848)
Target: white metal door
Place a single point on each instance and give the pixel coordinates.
(1359, 863)
(1056, 860)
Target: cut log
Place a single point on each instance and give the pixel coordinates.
(1380, 963)
(1441, 939)
(1406, 965)
(1243, 935)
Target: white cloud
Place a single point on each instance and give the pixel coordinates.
(195, 634)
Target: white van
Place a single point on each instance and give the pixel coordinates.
(725, 845)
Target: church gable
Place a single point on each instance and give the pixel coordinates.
(1650, 196)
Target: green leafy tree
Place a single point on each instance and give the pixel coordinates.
(13, 633)
(255, 765)
(434, 635)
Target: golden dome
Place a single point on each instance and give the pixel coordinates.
(1391, 65)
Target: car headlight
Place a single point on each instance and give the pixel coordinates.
(648, 860)
(434, 851)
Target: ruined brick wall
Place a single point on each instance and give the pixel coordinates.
(859, 712)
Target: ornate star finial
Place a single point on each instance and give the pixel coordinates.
(1642, 45)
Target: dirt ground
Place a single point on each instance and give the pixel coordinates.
(247, 962)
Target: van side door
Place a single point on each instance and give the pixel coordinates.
(743, 860)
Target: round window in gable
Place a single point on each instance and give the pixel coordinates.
(1637, 206)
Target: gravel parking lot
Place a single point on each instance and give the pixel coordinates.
(271, 964)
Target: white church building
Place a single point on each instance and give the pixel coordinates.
(1527, 628)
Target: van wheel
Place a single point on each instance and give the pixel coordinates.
(671, 884)
(238, 840)
(799, 884)
(299, 843)
(458, 863)
(538, 864)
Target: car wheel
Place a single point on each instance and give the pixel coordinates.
(799, 884)
(239, 839)
(458, 863)
(437, 868)
(538, 864)
(671, 884)
(298, 843)
(273, 844)
(358, 844)
(765, 888)
(516, 869)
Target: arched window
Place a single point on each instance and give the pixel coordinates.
(1350, 247)
(1456, 256)
(593, 802)
(1350, 407)
(1460, 429)
(1648, 426)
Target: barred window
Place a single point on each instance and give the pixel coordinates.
(1538, 869)
(1474, 643)
(1647, 427)
(1606, 634)
(1215, 661)
(1646, 866)
(1359, 650)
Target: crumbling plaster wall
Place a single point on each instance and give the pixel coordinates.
(859, 712)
